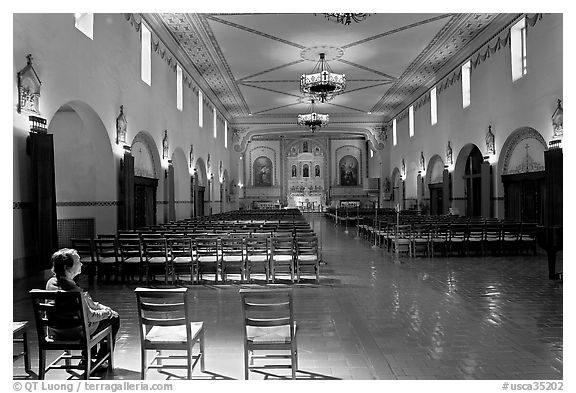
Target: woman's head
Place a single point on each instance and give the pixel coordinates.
(66, 262)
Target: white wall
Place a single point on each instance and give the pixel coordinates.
(495, 101)
(100, 75)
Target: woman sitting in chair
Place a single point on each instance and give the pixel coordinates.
(66, 266)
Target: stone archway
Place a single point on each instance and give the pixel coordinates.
(147, 168)
(467, 183)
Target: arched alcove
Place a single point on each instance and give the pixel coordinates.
(467, 183)
(521, 175)
(397, 188)
(201, 188)
(147, 168)
(433, 184)
(85, 167)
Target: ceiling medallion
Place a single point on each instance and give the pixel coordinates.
(322, 83)
(346, 18)
(312, 119)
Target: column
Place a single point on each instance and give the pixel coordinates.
(170, 186)
(446, 190)
(127, 190)
(486, 188)
(40, 147)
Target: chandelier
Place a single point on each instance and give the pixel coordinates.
(313, 120)
(322, 83)
(345, 18)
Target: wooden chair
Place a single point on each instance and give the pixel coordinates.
(457, 238)
(20, 336)
(207, 256)
(307, 256)
(476, 238)
(282, 255)
(85, 249)
(165, 324)
(269, 325)
(233, 256)
(131, 257)
(421, 238)
(439, 238)
(493, 238)
(257, 255)
(62, 324)
(107, 258)
(402, 241)
(156, 257)
(183, 259)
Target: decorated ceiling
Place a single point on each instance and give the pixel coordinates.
(252, 63)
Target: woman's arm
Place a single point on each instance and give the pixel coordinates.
(96, 312)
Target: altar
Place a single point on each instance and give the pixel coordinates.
(310, 201)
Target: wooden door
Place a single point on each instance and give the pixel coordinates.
(436, 197)
(199, 201)
(144, 201)
(523, 196)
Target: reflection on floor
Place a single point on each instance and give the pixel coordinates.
(373, 317)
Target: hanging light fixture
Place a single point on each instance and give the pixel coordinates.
(345, 18)
(312, 119)
(322, 83)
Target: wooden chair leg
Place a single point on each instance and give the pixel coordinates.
(27, 367)
(189, 362)
(246, 365)
(41, 364)
(111, 349)
(143, 364)
(202, 364)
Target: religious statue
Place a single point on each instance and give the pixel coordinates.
(191, 155)
(293, 170)
(422, 168)
(165, 149)
(317, 171)
(387, 185)
(490, 141)
(558, 121)
(403, 168)
(209, 165)
(121, 125)
(449, 154)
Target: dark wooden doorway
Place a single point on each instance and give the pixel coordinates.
(144, 201)
(436, 198)
(473, 181)
(199, 201)
(523, 196)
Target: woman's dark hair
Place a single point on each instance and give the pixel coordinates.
(62, 260)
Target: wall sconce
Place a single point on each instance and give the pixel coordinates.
(240, 184)
(37, 124)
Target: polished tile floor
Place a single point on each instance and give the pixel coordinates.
(374, 317)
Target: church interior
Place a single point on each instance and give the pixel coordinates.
(398, 177)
